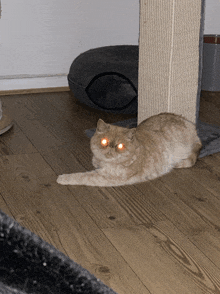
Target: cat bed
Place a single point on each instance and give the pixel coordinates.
(30, 265)
(106, 78)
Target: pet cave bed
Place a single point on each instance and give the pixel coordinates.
(30, 265)
(106, 78)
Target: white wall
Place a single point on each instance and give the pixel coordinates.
(39, 39)
(212, 17)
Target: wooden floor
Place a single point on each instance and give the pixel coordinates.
(157, 237)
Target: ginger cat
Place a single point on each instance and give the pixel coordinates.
(124, 156)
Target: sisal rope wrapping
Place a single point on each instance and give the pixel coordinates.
(168, 57)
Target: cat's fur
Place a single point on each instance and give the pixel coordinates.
(158, 144)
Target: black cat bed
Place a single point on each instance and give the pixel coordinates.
(30, 265)
(106, 78)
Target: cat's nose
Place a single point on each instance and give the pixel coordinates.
(112, 145)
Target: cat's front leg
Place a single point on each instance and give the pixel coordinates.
(95, 162)
(90, 178)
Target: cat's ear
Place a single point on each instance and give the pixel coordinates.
(102, 126)
(130, 134)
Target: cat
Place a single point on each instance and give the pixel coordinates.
(124, 156)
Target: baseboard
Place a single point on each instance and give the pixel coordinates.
(34, 91)
(33, 85)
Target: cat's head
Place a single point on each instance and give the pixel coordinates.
(112, 143)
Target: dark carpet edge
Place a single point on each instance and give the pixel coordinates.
(31, 265)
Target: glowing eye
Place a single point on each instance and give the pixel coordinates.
(104, 142)
(121, 146)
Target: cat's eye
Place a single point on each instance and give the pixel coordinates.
(121, 146)
(104, 142)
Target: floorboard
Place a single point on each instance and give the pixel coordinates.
(164, 259)
(157, 237)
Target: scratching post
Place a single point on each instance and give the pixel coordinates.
(168, 57)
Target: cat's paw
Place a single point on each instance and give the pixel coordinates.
(64, 179)
(95, 162)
